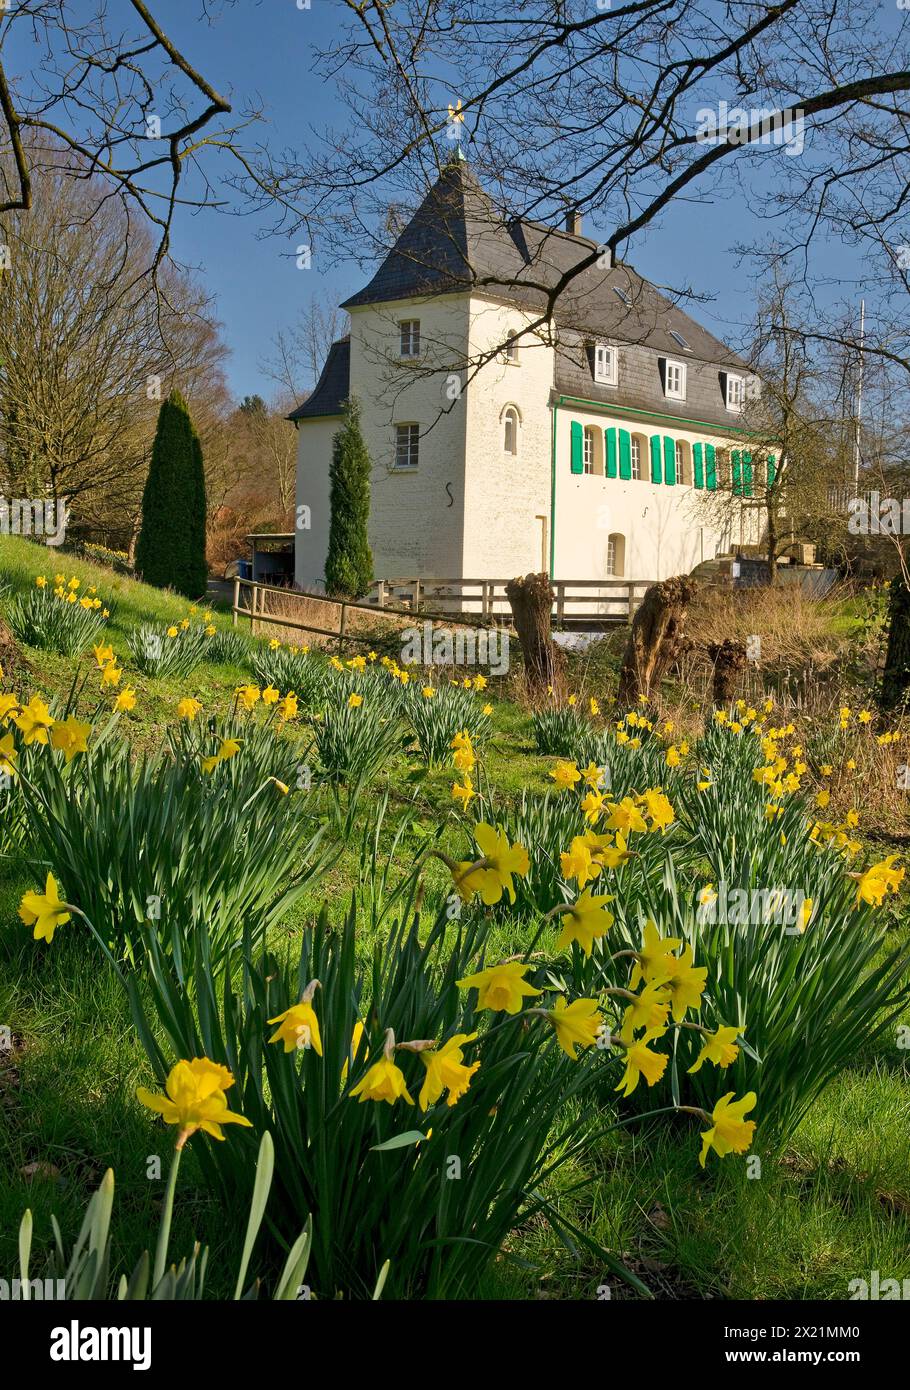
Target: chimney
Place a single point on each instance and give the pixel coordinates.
(573, 221)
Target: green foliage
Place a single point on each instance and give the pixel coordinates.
(85, 1274)
(156, 654)
(289, 668)
(170, 552)
(354, 743)
(42, 619)
(349, 563)
(436, 720)
(558, 731)
(159, 841)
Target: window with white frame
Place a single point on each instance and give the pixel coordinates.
(409, 330)
(615, 559)
(510, 351)
(510, 430)
(589, 449)
(605, 364)
(407, 443)
(736, 391)
(611, 555)
(675, 380)
(635, 453)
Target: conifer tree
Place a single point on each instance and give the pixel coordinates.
(349, 564)
(170, 551)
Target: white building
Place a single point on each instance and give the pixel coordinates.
(600, 435)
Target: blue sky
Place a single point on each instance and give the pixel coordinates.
(264, 52)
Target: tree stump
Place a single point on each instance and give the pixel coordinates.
(729, 658)
(656, 639)
(12, 663)
(531, 600)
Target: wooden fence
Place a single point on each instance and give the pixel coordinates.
(608, 601)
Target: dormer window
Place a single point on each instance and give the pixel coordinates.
(605, 364)
(674, 380)
(736, 391)
(409, 330)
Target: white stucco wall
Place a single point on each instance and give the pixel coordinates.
(314, 455)
(667, 530)
(507, 496)
(416, 517)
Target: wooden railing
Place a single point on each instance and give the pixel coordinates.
(484, 600)
(617, 598)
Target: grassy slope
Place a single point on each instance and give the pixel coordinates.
(834, 1209)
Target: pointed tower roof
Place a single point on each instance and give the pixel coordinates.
(458, 240)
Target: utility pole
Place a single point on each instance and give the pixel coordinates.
(858, 409)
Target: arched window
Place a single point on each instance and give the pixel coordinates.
(510, 427)
(683, 462)
(593, 450)
(616, 555)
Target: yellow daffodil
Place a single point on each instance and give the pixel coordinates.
(718, 1047)
(288, 708)
(565, 775)
(576, 1024)
(384, 1081)
(298, 1027)
(501, 987)
(194, 1099)
(447, 1071)
(463, 792)
(494, 876)
(641, 1062)
(70, 737)
(355, 701)
(188, 707)
(686, 982)
(126, 699)
(730, 1132)
(34, 721)
(877, 880)
(585, 922)
(8, 756)
(44, 911)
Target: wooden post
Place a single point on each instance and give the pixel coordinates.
(631, 600)
(236, 603)
(416, 595)
(380, 593)
(341, 627)
(560, 600)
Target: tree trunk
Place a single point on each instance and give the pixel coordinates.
(896, 675)
(729, 658)
(656, 639)
(531, 600)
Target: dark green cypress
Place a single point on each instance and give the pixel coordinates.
(170, 551)
(349, 564)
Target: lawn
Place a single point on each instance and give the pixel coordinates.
(630, 1210)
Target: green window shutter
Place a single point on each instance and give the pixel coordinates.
(578, 448)
(747, 475)
(772, 469)
(611, 452)
(710, 468)
(698, 467)
(655, 458)
(669, 461)
(737, 472)
(625, 454)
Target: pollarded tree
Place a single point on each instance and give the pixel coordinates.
(170, 552)
(349, 563)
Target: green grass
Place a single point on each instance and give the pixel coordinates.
(833, 1208)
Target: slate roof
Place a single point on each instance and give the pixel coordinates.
(458, 240)
(333, 387)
